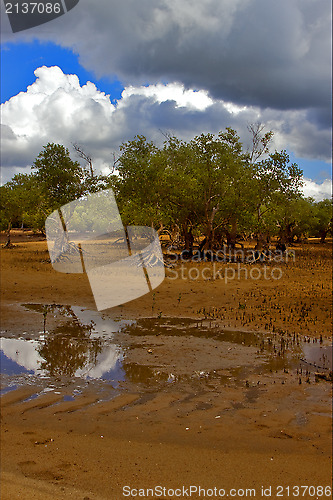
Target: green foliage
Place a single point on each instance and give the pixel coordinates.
(276, 184)
(300, 218)
(137, 185)
(323, 215)
(28, 199)
(61, 179)
(192, 184)
(22, 202)
(209, 184)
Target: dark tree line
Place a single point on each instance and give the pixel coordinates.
(213, 188)
(207, 187)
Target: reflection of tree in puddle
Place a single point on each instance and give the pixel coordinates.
(68, 347)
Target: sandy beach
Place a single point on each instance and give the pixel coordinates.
(212, 391)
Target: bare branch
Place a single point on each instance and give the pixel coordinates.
(260, 141)
(82, 154)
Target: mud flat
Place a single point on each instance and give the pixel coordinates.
(201, 382)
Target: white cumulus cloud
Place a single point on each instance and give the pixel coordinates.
(172, 92)
(318, 191)
(57, 108)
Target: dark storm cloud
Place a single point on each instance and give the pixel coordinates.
(272, 56)
(254, 52)
(265, 53)
(322, 117)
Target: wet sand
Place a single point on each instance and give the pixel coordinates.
(265, 429)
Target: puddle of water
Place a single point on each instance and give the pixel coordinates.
(79, 344)
(323, 414)
(68, 398)
(9, 388)
(319, 356)
(9, 361)
(186, 327)
(30, 398)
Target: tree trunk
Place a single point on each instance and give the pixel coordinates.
(259, 236)
(9, 243)
(260, 241)
(209, 236)
(323, 236)
(232, 236)
(210, 229)
(189, 240)
(286, 234)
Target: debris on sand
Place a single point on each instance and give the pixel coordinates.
(325, 376)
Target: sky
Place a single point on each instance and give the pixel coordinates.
(108, 70)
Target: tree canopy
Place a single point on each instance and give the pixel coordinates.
(55, 180)
(209, 185)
